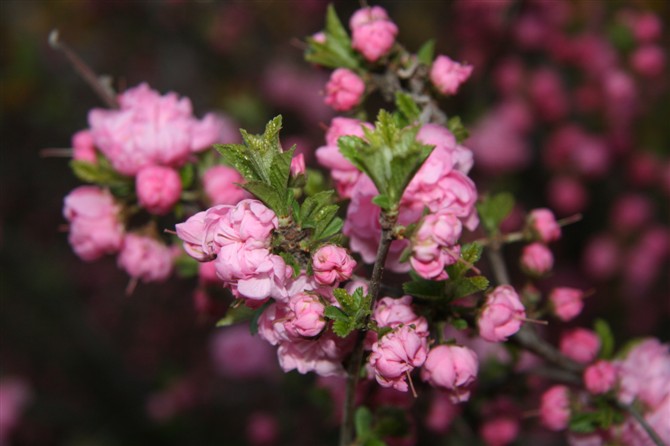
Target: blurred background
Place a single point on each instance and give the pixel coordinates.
(568, 108)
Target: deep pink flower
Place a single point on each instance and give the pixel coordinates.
(543, 224)
(451, 367)
(95, 227)
(221, 185)
(536, 259)
(332, 264)
(555, 408)
(600, 377)
(397, 354)
(448, 75)
(566, 302)
(145, 258)
(373, 34)
(649, 60)
(580, 344)
(500, 431)
(502, 314)
(158, 189)
(344, 90)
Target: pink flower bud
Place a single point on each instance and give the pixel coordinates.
(543, 224)
(536, 259)
(448, 75)
(566, 302)
(648, 60)
(262, 429)
(390, 312)
(373, 34)
(298, 165)
(580, 344)
(500, 431)
(567, 195)
(306, 317)
(219, 183)
(158, 189)
(451, 367)
(145, 258)
(501, 315)
(344, 90)
(332, 264)
(555, 408)
(396, 354)
(83, 147)
(600, 377)
(95, 228)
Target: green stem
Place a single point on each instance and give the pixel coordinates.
(347, 429)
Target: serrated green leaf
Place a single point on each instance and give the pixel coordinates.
(407, 106)
(265, 193)
(424, 289)
(336, 51)
(465, 286)
(583, 422)
(335, 313)
(100, 173)
(606, 337)
(235, 155)
(383, 202)
(494, 209)
(343, 328)
(426, 52)
(328, 231)
(291, 261)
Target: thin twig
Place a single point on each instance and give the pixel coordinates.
(632, 410)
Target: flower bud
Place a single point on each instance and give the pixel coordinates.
(451, 367)
(145, 258)
(580, 345)
(566, 302)
(544, 226)
(219, 183)
(332, 264)
(396, 354)
(536, 259)
(501, 315)
(373, 34)
(600, 377)
(447, 75)
(83, 147)
(307, 317)
(555, 408)
(158, 189)
(344, 90)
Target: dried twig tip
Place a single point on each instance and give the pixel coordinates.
(54, 39)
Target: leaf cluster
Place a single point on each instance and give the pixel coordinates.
(387, 422)
(494, 209)
(390, 155)
(336, 50)
(103, 174)
(351, 314)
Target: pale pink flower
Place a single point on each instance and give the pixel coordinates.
(145, 258)
(83, 147)
(394, 312)
(323, 355)
(332, 264)
(199, 231)
(448, 75)
(580, 344)
(500, 431)
(395, 355)
(270, 323)
(451, 367)
(502, 314)
(441, 414)
(648, 383)
(373, 34)
(95, 226)
(150, 129)
(158, 189)
(237, 354)
(555, 408)
(344, 90)
(600, 377)
(536, 259)
(446, 155)
(543, 224)
(306, 315)
(434, 245)
(221, 185)
(566, 302)
(250, 222)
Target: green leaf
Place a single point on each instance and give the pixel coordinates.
(426, 52)
(606, 336)
(406, 105)
(494, 209)
(470, 255)
(353, 312)
(336, 51)
(465, 286)
(335, 313)
(186, 266)
(456, 127)
(363, 422)
(187, 175)
(424, 289)
(100, 173)
(583, 422)
(459, 324)
(291, 261)
(235, 315)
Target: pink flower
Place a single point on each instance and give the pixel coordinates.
(555, 408)
(221, 185)
(536, 259)
(145, 258)
(262, 429)
(448, 75)
(434, 245)
(566, 302)
(501, 315)
(158, 189)
(580, 344)
(83, 148)
(373, 34)
(193, 232)
(322, 356)
(150, 129)
(500, 431)
(648, 60)
(306, 315)
(332, 264)
(446, 155)
(392, 312)
(600, 377)
(441, 414)
(14, 397)
(395, 355)
(543, 224)
(567, 195)
(451, 367)
(645, 373)
(250, 222)
(95, 227)
(344, 90)
(237, 354)
(298, 165)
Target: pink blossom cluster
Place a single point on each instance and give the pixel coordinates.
(502, 314)
(373, 33)
(447, 75)
(441, 185)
